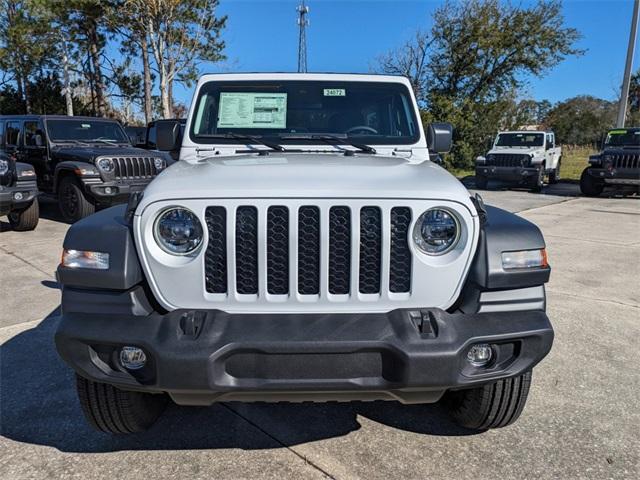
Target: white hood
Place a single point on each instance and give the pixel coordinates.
(306, 175)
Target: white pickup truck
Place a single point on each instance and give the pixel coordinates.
(521, 157)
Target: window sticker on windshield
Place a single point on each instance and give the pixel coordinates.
(252, 110)
(86, 125)
(335, 92)
(617, 132)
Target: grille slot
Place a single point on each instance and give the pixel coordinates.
(216, 254)
(247, 250)
(370, 250)
(309, 250)
(508, 160)
(134, 168)
(251, 252)
(339, 250)
(400, 260)
(278, 250)
(626, 161)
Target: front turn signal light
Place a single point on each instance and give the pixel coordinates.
(525, 259)
(85, 259)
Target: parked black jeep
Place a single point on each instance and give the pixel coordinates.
(617, 165)
(83, 161)
(18, 193)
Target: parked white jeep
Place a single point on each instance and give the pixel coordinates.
(303, 248)
(521, 157)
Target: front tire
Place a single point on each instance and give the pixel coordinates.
(589, 185)
(27, 219)
(490, 406)
(538, 182)
(554, 176)
(111, 410)
(481, 182)
(74, 204)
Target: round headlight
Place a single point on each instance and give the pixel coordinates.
(178, 231)
(4, 167)
(106, 165)
(159, 163)
(437, 231)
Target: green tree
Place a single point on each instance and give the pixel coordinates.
(478, 55)
(23, 45)
(182, 34)
(633, 115)
(582, 120)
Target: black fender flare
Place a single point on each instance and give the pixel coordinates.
(504, 231)
(81, 170)
(106, 231)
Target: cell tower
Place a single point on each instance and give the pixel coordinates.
(303, 21)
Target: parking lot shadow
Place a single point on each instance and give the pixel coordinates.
(38, 405)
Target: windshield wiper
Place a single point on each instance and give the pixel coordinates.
(332, 140)
(108, 141)
(251, 138)
(72, 140)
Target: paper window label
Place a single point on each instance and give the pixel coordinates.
(252, 110)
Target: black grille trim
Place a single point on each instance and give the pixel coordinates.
(339, 250)
(216, 254)
(309, 250)
(626, 160)
(400, 258)
(370, 250)
(247, 250)
(509, 160)
(278, 250)
(132, 168)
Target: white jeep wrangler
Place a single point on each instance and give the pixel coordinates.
(303, 248)
(521, 157)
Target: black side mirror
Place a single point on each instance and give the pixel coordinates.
(168, 136)
(440, 137)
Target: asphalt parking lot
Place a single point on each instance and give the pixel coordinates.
(582, 419)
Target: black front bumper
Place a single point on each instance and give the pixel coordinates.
(199, 357)
(8, 201)
(616, 176)
(112, 192)
(508, 174)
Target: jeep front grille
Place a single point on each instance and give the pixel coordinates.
(134, 168)
(268, 237)
(508, 160)
(626, 160)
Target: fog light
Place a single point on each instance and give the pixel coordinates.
(17, 196)
(132, 358)
(480, 354)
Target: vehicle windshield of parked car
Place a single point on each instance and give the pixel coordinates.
(623, 137)
(85, 130)
(520, 140)
(301, 111)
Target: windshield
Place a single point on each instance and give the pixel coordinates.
(623, 136)
(86, 131)
(520, 140)
(295, 111)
